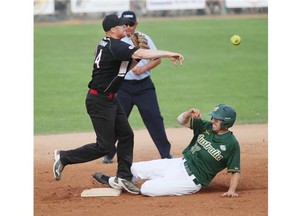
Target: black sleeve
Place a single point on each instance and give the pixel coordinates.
(122, 51)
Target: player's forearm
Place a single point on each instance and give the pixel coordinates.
(235, 178)
(133, 64)
(152, 64)
(152, 54)
(147, 67)
(184, 119)
(233, 186)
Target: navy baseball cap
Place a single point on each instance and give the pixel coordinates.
(113, 20)
(129, 15)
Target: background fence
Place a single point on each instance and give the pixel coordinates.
(55, 10)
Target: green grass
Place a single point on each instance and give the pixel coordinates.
(214, 71)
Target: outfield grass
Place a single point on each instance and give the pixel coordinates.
(214, 71)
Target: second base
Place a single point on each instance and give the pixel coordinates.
(94, 192)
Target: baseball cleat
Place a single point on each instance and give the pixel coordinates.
(127, 185)
(116, 183)
(101, 178)
(107, 180)
(58, 166)
(113, 182)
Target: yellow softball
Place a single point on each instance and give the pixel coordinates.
(235, 40)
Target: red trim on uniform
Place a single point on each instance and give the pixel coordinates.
(93, 91)
(111, 96)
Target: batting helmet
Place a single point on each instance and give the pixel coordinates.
(225, 113)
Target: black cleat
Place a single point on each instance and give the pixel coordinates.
(57, 166)
(101, 178)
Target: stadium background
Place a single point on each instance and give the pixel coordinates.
(55, 10)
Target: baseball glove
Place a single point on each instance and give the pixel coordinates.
(140, 41)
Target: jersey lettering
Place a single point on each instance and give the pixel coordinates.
(195, 148)
(103, 43)
(215, 153)
(98, 58)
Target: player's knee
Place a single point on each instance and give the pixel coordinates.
(150, 189)
(146, 190)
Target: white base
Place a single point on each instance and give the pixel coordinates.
(95, 192)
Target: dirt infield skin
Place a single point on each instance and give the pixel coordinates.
(63, 197)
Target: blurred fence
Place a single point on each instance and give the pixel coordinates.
(57, 10)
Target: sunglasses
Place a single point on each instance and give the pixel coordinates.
(131, 24)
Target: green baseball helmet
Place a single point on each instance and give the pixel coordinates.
(225, 113)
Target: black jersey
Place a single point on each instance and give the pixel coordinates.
(111, 63)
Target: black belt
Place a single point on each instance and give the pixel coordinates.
(96, 92)
(137, 81)
(195, 180)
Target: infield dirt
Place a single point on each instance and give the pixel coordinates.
(61, 198)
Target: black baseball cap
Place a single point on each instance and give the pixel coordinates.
(113, 20)
(129, 15)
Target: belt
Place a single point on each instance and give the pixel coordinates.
(96, 92)
(137, 81)
(195, 180)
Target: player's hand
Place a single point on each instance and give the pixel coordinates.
(177, 57)
(195, 113)
(229, 194)
(138, 70)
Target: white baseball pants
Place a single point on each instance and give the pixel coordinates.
(164, 177)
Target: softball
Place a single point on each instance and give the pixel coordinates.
(235, 40)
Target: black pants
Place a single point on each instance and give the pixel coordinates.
(110, 123)
(143, 94)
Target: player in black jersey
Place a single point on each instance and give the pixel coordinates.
(113, 59)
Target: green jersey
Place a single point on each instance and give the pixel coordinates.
(208, 153)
